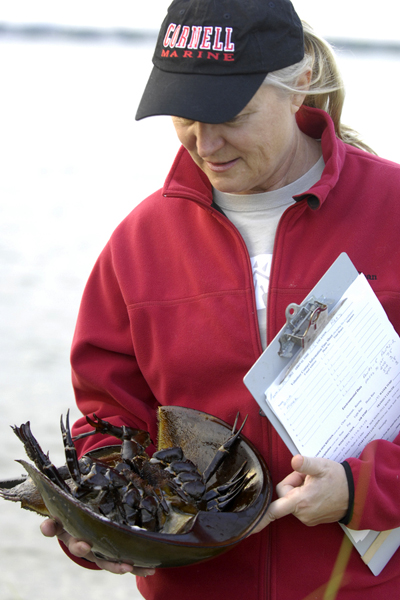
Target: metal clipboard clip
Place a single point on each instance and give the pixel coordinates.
(303, 324)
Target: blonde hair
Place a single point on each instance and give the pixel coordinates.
(326, 89)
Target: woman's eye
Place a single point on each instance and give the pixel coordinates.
(236, 120)
(182, 121)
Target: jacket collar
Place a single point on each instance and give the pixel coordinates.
(187, 180)
(317, 124)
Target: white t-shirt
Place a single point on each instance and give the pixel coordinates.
(256, 216)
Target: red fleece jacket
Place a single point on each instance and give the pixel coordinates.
(169, 317)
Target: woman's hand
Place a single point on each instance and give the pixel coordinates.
(81, 549)
(316, 492)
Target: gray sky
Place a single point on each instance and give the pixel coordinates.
(342, 18)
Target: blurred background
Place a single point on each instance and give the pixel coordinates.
(73, 163)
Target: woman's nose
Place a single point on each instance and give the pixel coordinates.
(208, 139)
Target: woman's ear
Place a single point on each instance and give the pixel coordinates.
(303, 83)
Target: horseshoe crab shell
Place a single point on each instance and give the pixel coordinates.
(199, 435)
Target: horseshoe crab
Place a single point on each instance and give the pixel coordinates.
(178, 524)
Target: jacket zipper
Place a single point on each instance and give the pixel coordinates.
(218, 214)
(266, 547)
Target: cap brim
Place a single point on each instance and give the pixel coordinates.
(206, 98)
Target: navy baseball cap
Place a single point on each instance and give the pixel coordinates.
(212, 56)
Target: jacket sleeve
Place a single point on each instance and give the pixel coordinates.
(106, 377)
(376, 475)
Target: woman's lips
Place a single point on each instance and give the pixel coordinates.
(221, 167)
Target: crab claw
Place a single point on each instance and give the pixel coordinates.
(123, 433)
(223, 450)
(70, 451)
(35, 453)
(220, 497)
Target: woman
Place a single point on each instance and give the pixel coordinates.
(261, 199)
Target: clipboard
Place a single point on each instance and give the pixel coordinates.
(263, 373)
(375, 548)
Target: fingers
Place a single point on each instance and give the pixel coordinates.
(316, 492)
(302, 466)
(82, 549)
(310, 466)
(282, 507)
(122, 568)
(51, 528)
(293, 480)
(78, 548)
(297, 462)
(110, 566)
(277, 509)
(324, 496)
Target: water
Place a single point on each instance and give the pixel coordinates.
(73, 163)
(71, 167)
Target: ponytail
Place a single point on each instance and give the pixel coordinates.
(326, 89)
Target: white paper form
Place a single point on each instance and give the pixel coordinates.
(345, 389)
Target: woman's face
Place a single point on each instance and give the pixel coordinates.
(254, 152)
